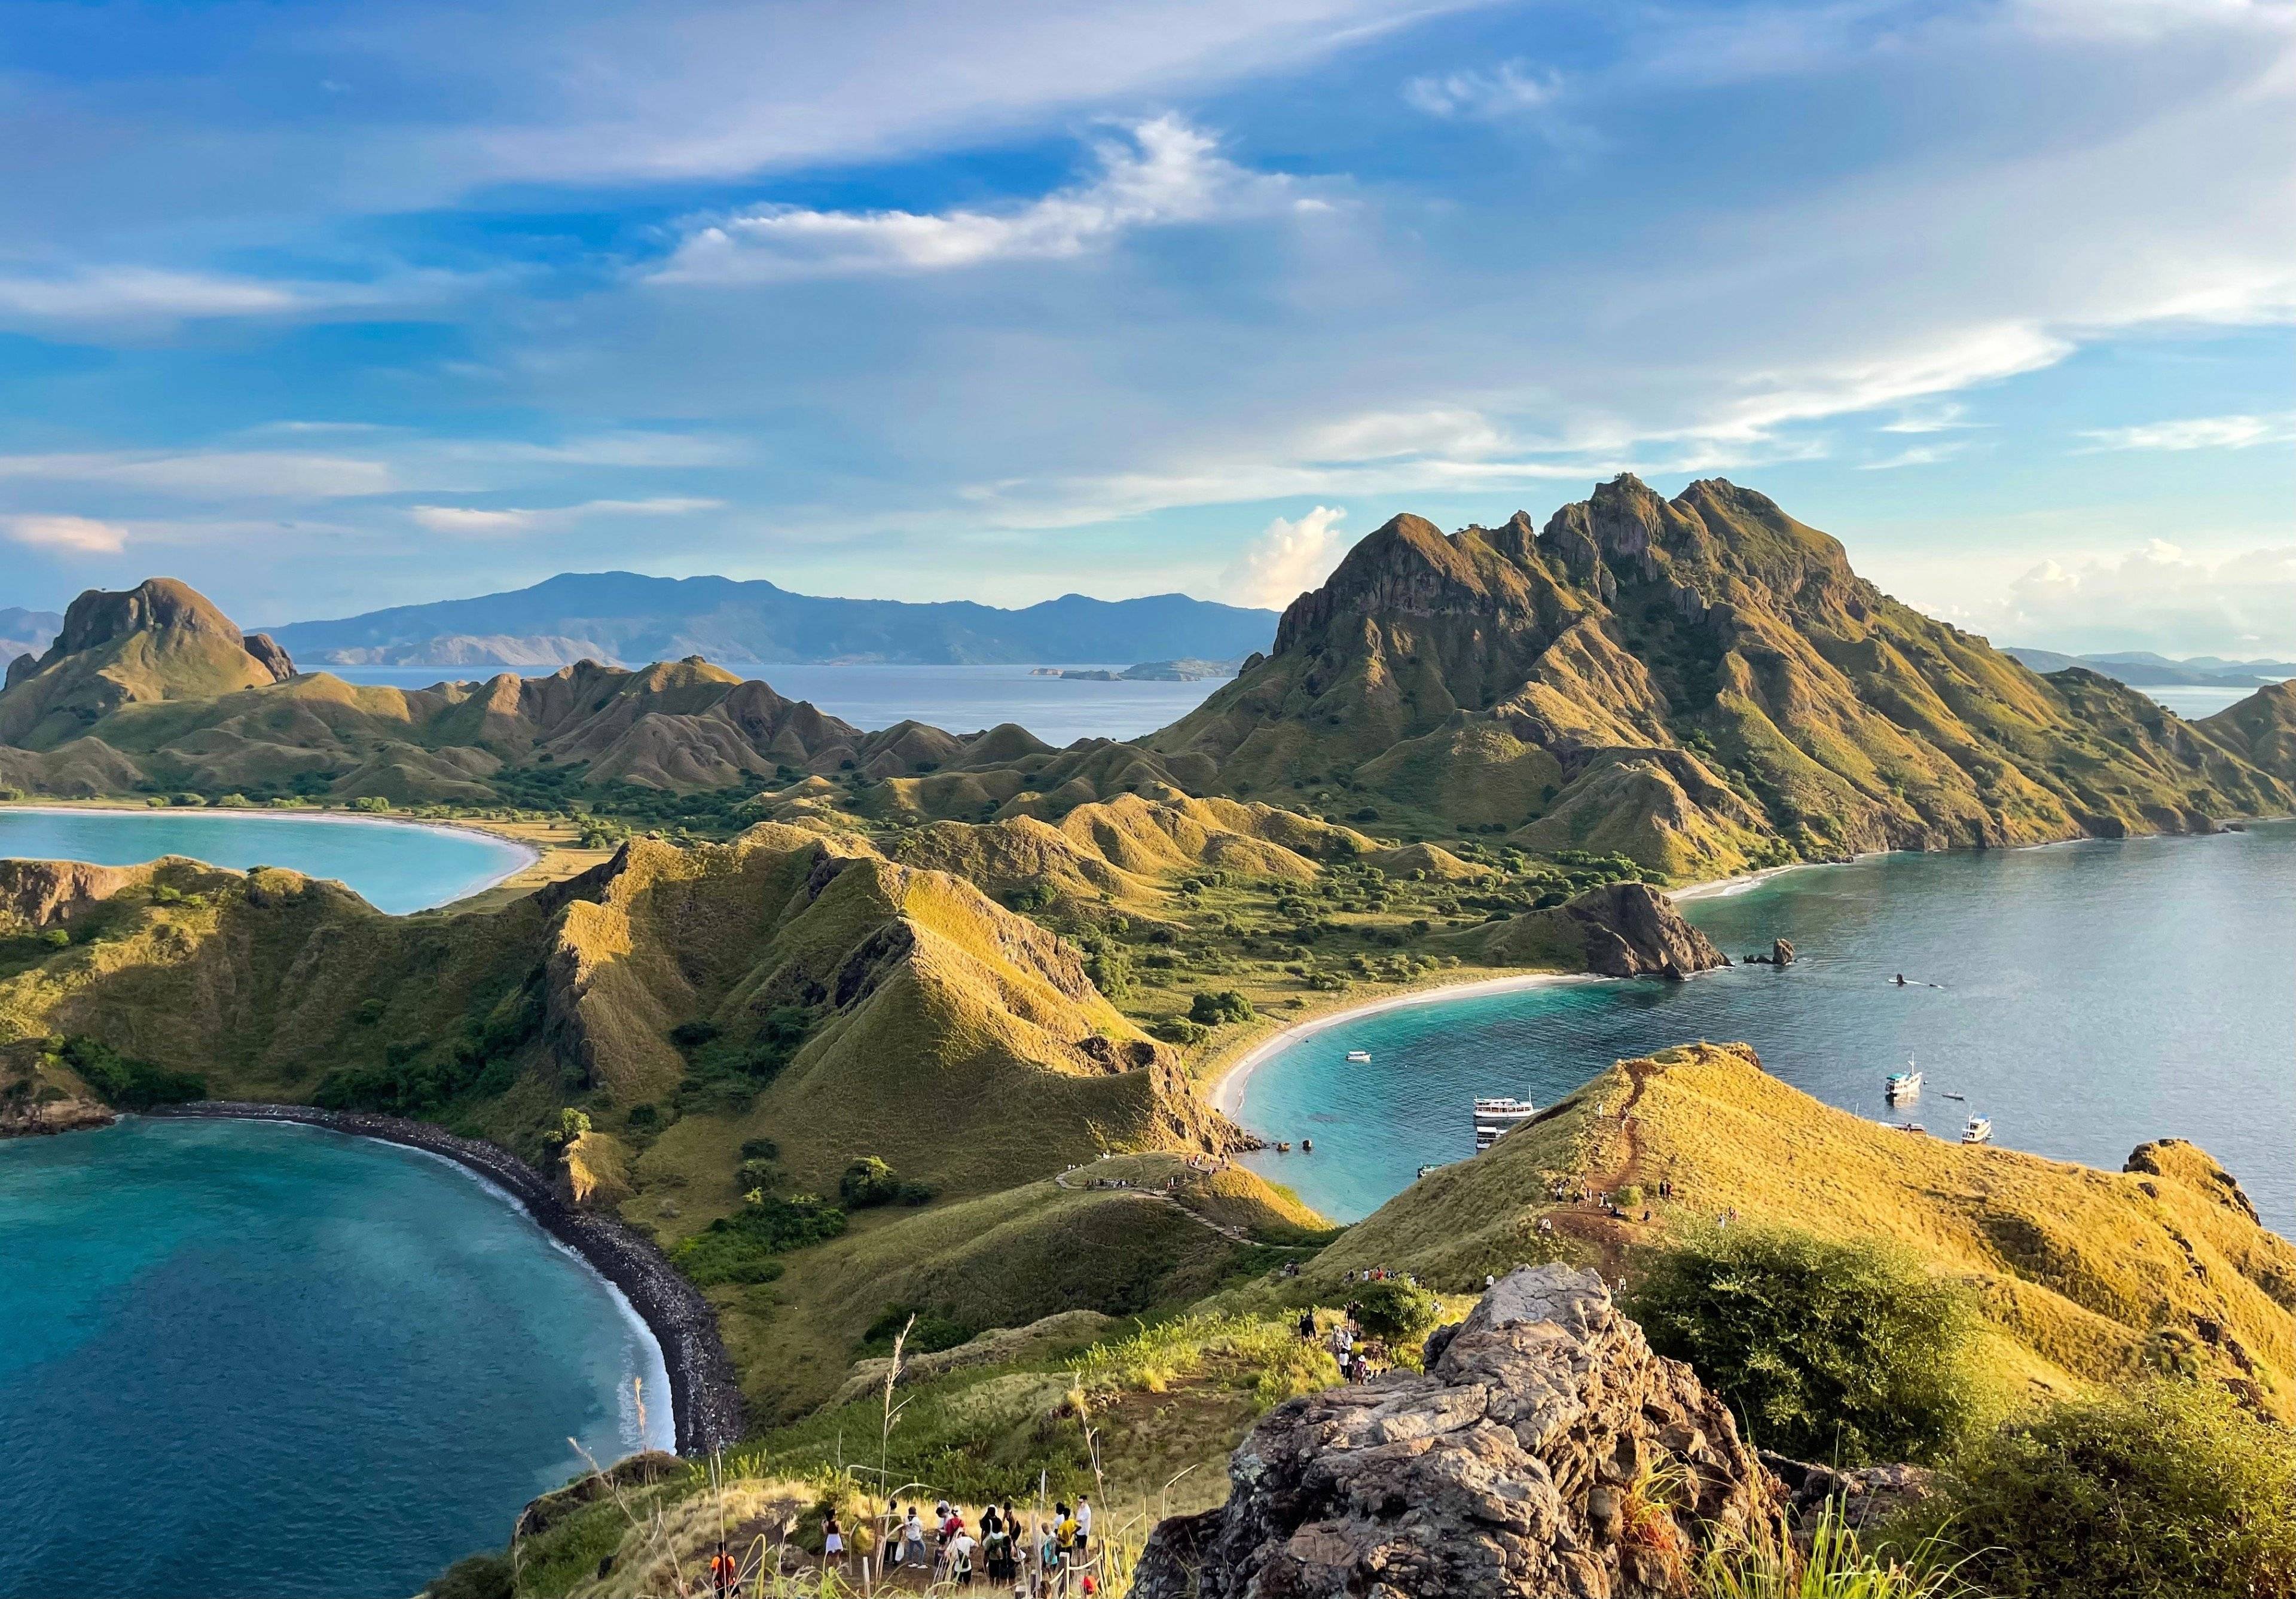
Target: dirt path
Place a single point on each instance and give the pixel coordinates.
(1222, 1228)
(1610, 1237)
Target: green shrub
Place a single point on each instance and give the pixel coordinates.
(475, 1577)
(1395, 1310)
(869, 1181)
(754, 1149)
(932, 1333)
(2171, 1492)
(370, 802)
(1214, 1009)
(740, 1248)
(130, 1084)
(692, 1035)
(1831, 1352)
(1177, 1029)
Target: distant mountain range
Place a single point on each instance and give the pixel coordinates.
(623, 618)
(2141, 669)
(26, 632)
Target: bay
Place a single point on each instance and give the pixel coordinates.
(396, 867)
(2087, 997)
(959, 699)
(263, 1359)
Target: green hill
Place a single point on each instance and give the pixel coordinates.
(1702, 684)
(2086, 1279)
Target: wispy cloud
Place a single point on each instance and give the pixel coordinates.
(1163, 172)
(503, 521)
(1507, 90)
(74, 535)
(1289, 556)
(1919, 455)
(211, 474)
(2198, 433)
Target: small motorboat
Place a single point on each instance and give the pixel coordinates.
(1360, 1056)
(1903, 1084)
(1978, 1129)
(1957, 1097)
(1909, 1127)
(1306, 1147)
(1282, 1149)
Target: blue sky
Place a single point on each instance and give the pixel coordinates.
(329, 308)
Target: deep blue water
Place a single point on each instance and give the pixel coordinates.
(397, 866)
(962, 698)
(2094, 996)
(240, 1358)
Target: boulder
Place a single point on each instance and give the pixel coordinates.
(1545, 1451)
(1631, 930)
(1782, 954)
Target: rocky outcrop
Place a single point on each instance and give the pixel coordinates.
(1631, 930)
(42, 894)
(1521, 1464)
(1864, 1495)
(269, 656)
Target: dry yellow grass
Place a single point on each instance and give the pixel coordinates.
(2084, 1277)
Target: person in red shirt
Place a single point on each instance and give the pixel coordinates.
(725, 1576)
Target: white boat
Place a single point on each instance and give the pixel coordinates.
(1903, 1084)
(1359, 1054)
(1496, 1117)
(1978, 1130)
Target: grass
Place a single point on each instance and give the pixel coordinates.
(2081, 1278)
(1838, 1564)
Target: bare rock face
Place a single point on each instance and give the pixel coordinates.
(1631, 930)
(1523, 1462)
(269, 656)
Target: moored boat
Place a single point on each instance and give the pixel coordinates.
(1903, 1084)
(1978, 1129)
(1495, 1117)
(1359, 1055)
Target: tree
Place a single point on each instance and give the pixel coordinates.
(1831, 1351)
(572, 1124)
(1396, 1310)
(1213, 1010)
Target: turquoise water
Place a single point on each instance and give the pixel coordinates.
(962, 698)
(255, 1359)
(396, 867)
(2094, 996)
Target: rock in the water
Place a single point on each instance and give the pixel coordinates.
(1521, 1464)
(1782, 954)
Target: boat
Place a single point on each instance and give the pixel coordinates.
(1978, 1130)
(1282, 1149)
(1359, 1055)
(1495, 1117)
(1957, 1097)
(1903, 1084)
(1909, 1127)
(1435, 1166)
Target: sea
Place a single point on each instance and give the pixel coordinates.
(2085, 996)
(396, 867)
(250, 1359)
(959, 699)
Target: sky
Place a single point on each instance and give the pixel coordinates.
(328, 308)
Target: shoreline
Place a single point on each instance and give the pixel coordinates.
(1225, 1093)
(705, 1405)
(527, 855)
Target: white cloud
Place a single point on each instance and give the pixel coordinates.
(211, 474)
(1166, 173)
(1507, 90)
(1287, 559)
(137, 292)
(488, 522)
(77, 535)
(2157, 596)
(1919, 455)
(2199, 433)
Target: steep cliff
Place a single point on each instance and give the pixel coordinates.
(1702, 683)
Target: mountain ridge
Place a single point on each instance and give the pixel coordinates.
(623, 617)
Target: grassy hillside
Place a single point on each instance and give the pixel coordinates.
(2086, 1279)
(1702, 684)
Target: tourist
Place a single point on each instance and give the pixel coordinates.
(1307, 1326)
(997, 1545)
(1052, 1562)
(832, 1541)
(1084, 1528)
(961, 1551)
(723, 1574)
(913, 1539)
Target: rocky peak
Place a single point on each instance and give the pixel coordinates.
(101, 618)
(1405, 568)
(1519, 1464)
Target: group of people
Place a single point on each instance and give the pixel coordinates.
(1349, 1349)
(1038, 1562)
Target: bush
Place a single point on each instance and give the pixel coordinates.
(756, 1149)
(370, 802)
(692, 1035)
(740, 1248)
(1397, 1311)
(2171, 1491)
(1177, 1029)
(475, 1577)
(932, 1333)
(1214, 1009)
(1830, 1352)
(130, 1084)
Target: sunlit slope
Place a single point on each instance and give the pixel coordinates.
(1700, 683)
(2084, 1277)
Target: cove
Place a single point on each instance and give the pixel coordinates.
(396, 867)
(242, 1357)
(2092, 996)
